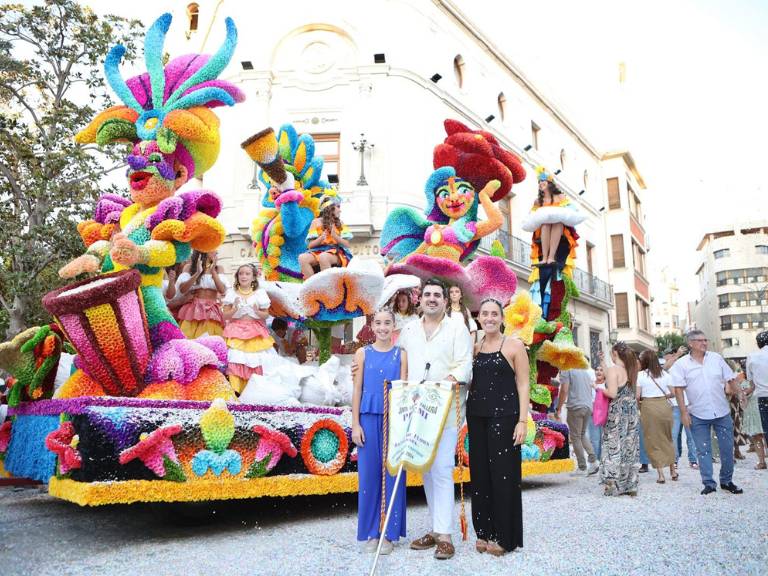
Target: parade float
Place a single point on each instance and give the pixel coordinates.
(146, 415)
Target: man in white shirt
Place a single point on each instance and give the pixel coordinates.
(704, 376)
(757, 373)
(441, 348)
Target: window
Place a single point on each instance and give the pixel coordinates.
(562, 160)
(643, 314)
(675, 321)
(590, 258)
(638, 258)
(614, 198)
(327, 146)
(742, 299)
(727, 342)
(595, 347)
(535, 135)
(761, 249)
(744, 321)
(502, 104)
(193, 12)
(622, 310)
(458, 70)
(721, 278)
(634, 204)
(725, 252)
(617, 248)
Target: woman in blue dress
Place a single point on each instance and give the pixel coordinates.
(382, 362)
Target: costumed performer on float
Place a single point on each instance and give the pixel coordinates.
(328, 239)
(167, 117)
(249, 343)
(471, 169)
(202, 281)
(553, 250)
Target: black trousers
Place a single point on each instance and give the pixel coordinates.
(495, 467)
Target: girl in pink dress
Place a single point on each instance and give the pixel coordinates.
(246, 307)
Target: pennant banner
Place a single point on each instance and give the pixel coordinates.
(417, 413)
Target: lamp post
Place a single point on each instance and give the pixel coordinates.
(613, 336)
(361, 146)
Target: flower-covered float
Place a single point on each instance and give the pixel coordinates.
(146, 415)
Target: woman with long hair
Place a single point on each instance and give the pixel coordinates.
(456, 307)
(203, 314)
(620, 445)
(656, 414)
(404, 310)
(246, 308)
(327, 240)
(497, 416)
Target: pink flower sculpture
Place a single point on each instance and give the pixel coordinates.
(152, 448)
(5, 436)
(271, 447)
(63, 443)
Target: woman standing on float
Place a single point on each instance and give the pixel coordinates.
(497, 416)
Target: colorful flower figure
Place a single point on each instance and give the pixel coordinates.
(471, 170)
(548, 441)
(63, 442)
(272, 444)
(335, 295)
(290, 171)
(561, 352)
(464, 441)
(5, 437)
(218, 427)
(324, 447)
(155, 450)
(32, 357)
(530, 433)
(530, 453)
(521, 317)
(166, 115)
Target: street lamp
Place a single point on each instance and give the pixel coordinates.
(361, 146)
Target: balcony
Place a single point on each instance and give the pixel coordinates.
(518, 253)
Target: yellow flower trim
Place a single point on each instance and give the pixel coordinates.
(521, 316)
(562, 356)
(132, 491)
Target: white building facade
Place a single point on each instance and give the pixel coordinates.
(338, 70)
(733, 287)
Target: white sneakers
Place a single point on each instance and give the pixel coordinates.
(386, 547)
(594, 467)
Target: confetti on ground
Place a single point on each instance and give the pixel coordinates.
(570, 528)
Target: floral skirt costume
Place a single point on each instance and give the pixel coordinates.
(249, 343)
(338, 250)
(201, 316)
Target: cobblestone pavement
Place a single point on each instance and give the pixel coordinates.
(570, 528)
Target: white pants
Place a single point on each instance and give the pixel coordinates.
(438, 483)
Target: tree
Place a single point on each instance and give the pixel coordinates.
(51, 85)
(669, 341)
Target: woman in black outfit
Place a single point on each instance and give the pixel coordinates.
(497, 413)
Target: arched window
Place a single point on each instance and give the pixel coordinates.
(502, 102)
(458, 70)
(193, 11)
(562, 160)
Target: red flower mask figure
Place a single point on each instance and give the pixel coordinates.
(63, 443)
(271, 447)
(153, 448)
(5, 436)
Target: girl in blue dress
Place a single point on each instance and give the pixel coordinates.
(380, 361)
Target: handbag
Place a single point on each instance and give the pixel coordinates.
(600, 409)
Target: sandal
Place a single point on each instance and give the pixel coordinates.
(674, 475)
(495, 550)
(481, 546)
(660, 481)
(761, 466)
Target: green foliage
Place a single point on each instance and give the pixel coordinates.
(173, 472)
(51, 85)
(669, 341)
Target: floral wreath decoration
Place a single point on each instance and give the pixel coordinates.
(324, 447)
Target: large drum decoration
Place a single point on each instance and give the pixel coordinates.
(104, 319)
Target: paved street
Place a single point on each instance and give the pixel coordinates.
(569, 529)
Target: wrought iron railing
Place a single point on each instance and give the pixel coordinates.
(518, 251)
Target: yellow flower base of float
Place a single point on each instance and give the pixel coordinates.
(3, 472)
(132, 491)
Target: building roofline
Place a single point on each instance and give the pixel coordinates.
(626, 155)
(450, 8)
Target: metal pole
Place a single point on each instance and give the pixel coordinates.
(386, 518)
